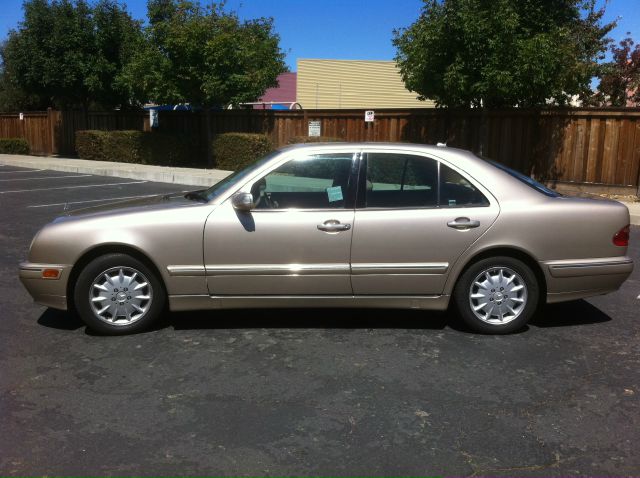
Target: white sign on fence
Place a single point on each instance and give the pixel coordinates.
(369, 116)
(314, 128)
(21, 116)
(154, 119)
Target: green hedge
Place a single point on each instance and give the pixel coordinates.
(139, 147)
(314, 139)
(14, 146)
(234, 151)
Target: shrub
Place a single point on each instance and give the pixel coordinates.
(140, 147)
(314, 139)
(14, 146)
(90, 145)
(234, 151)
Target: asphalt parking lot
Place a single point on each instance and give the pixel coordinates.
(314, 392)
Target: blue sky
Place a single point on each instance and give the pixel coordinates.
(342, 29)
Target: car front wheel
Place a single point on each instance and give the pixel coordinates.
(497, 295)
(117, 294)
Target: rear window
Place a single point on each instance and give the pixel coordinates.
(532, 183)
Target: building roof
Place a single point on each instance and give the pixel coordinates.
(285, 92)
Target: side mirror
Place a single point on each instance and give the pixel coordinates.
(242, 202)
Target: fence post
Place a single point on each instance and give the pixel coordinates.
(53, 118)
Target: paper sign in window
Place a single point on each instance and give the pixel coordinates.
(334, 194)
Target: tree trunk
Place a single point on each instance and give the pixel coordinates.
(85, 113)
(208, 136)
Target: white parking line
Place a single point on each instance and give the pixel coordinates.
(70, 187)
(16, 172)
(94, 200)
(105, 199)
(50, 177)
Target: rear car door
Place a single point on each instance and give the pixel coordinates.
(415, 216)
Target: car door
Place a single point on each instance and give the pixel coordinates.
(415, 216)
(296, 240)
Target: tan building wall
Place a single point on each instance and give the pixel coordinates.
(353, 84)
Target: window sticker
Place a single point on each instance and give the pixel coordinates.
(334, 194)
(452, 202)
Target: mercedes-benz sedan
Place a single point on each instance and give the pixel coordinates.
(336, 225)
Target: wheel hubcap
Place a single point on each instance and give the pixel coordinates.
(498, 295)
(120, 296)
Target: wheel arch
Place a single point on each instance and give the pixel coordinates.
(100, 250)
(507, 251)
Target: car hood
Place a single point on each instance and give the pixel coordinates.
(166, 201)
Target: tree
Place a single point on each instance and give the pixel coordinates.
(620, 79)
(66, 53)
(502, 53)
(204, 56)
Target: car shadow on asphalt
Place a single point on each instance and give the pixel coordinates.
(60, 319)
(567, 314)
(307, 319)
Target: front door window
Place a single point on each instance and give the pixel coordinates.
(318, 181)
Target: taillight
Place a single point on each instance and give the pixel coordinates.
(622, 237)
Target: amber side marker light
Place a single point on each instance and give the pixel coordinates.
(622, 237)
(50, 274)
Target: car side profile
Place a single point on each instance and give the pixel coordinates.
(336, 225)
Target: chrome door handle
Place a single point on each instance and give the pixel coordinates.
(463, 223)
(333, 225)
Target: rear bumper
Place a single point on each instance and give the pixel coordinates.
(49, 292)
(576, 279)
(591, 267)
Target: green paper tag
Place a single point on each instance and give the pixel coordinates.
(335, 193)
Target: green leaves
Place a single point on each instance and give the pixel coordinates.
(502, 53)
(204, 56)
(67, 53)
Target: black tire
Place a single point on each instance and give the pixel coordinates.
(110, 264)
(463, 301)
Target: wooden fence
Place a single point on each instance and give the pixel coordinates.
(600, 146)
(38, 128)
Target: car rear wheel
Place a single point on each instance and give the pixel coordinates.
(497, 295)
(117, 294)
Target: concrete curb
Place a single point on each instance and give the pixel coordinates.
(634, 212)
(162, 174)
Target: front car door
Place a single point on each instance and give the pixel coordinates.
(297, 238)
(415, 216)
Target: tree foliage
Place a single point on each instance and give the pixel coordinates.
(203, 55)
(69, 53)
(501, 53)
(620, 78)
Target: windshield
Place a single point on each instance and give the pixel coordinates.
(221, 186)
(532, 183)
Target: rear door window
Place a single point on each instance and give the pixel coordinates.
(401, 180)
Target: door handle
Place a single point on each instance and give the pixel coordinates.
(463, 223)
(332, 225)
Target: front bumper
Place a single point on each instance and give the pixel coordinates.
(49, 292)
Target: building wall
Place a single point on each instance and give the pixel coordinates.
(324, 84)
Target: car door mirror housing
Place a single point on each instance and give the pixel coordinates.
(242, 202)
